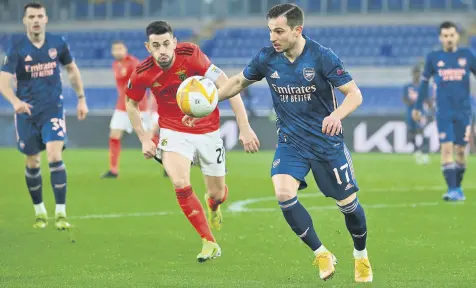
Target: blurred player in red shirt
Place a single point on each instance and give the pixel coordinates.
(123, 67)
(179, 146)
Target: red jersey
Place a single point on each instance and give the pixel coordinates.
(122, 72)
(189, 61)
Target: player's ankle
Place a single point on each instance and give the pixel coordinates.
(320, 250)
(360, 254)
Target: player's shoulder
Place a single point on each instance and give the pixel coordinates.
(266, 53)
(186, 48)
(467, 51)
(145, 65)
(18, 41)
(55, 38)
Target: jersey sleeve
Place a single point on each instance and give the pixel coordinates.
(428, 70)
(333, 69)
(65, 57)
(10, 62)
(135, 88)
(202, 63)
(253, 70)
(472, 62)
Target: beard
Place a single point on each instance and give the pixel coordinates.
(165, 64)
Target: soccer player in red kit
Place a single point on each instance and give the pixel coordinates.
(169, 64)
(123, 67)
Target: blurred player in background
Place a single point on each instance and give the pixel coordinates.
(123, 67)
(169, 64)
(415, 128)
(35, 58)
(302, 75)
(451, 68)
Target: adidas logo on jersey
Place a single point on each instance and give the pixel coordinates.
(275, 75)
(28, 58)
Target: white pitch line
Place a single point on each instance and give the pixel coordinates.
(238, 207)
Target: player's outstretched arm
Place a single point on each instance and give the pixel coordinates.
(247, 136)
(148, 146)
(7, 91)
(233, 86)
(77, 83)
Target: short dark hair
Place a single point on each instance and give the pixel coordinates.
(34, 5)
(447, 25)
(158, 28)
(292, 12)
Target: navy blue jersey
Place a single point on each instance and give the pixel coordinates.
(303, 95)
(451, 73)
(37, 70)
(410, 94)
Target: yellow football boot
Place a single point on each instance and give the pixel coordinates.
(210, 250)
(325, 262)
(363, 270)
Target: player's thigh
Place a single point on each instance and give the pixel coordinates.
(177, 167)
(211, 153)
(176, 154)
(461, 152)
(335, 178)
(53, 134)
(28, 135)
(288, 172)
(120, 121)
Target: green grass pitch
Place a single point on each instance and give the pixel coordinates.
(130, 232)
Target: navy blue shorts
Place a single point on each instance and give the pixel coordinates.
(335, 178)
(33, 133)
(456, 129)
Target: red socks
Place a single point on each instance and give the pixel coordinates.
(114, 151)
(193, 210)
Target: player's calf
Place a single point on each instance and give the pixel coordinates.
(460, 164)
(58, 175)
(34, 182)
(217, 192)
(448, 168)
(357, 226)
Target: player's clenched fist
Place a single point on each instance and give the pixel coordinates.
(22, 107)
(149, 149)
(331, 125)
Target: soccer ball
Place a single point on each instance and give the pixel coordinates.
(197, 96)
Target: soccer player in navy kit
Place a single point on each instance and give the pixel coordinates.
(415, 128)
(302, 75)
(451, 68)
(39, 114)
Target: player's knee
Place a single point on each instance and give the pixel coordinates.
(54, 156)
(347, 200)
(460, 154)
(115, 134)
(180, 182)
(284, 194)
(447, 152)
(33, 161)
